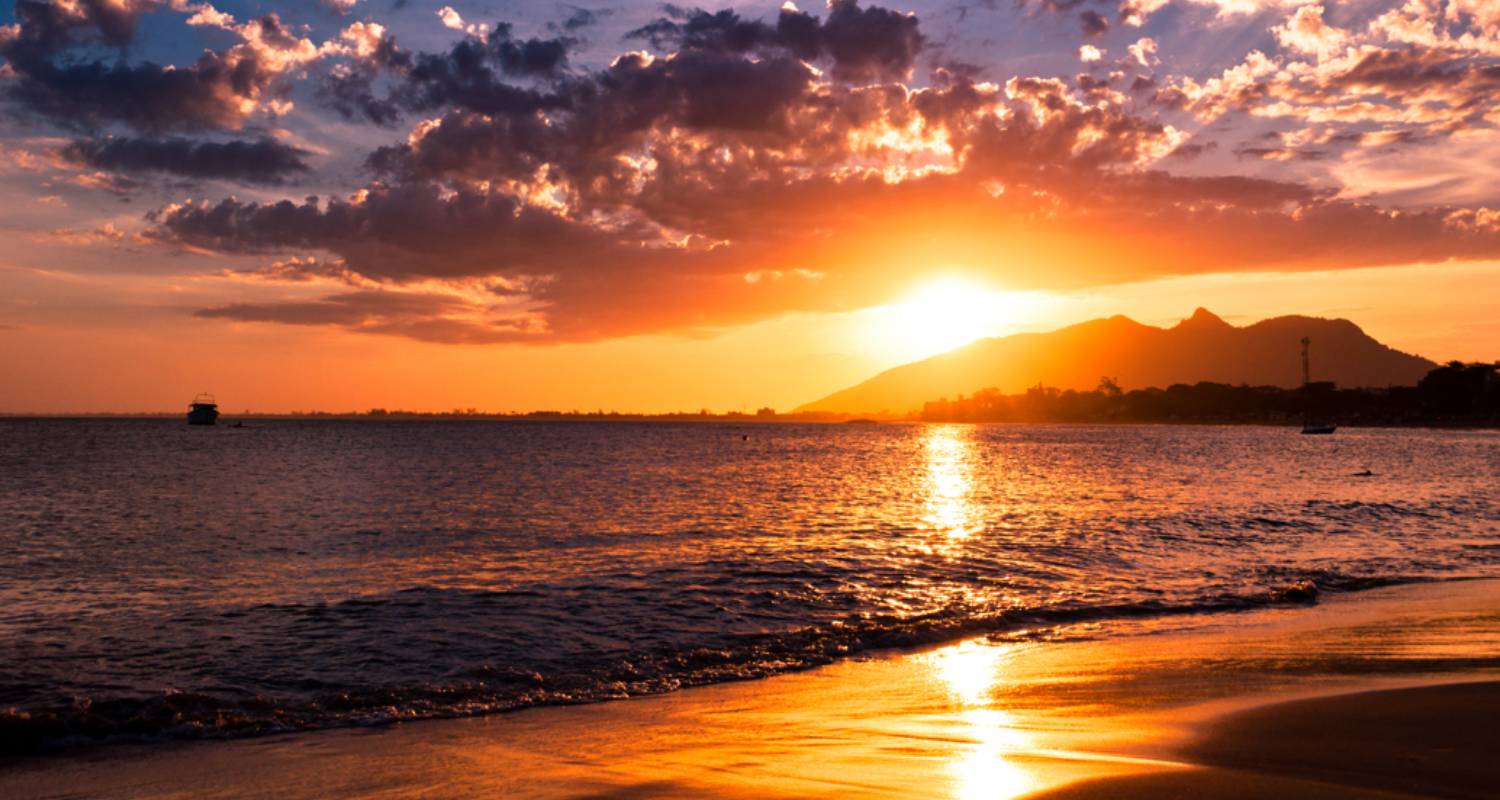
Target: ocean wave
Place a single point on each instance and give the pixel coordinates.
(485, 689)
(171, 586)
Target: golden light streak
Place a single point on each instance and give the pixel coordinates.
(987, 768)
(950, 509)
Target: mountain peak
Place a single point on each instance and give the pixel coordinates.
(1202, 347)
(1203, 318)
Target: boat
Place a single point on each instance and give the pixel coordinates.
(1318, 427)
(203, 411)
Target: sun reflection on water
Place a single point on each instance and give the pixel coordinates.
(987, 766)
(950, 506)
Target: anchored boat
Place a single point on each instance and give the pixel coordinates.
(1318, 427)
(203, 411)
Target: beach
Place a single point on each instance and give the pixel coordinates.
(1384, 693)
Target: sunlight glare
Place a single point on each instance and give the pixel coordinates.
(989, 767)
(950, 457)
(950, 313)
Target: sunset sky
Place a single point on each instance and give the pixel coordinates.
(651, 207)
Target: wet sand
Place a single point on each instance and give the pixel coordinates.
(1275, 703)
(1433, 741)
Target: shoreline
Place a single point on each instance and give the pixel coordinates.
(1435, 741)
(998, 716)
(225, 419)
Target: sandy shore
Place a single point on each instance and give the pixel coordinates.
(1432, 741)
(1361, 696)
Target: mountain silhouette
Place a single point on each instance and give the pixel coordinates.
(1200, 348)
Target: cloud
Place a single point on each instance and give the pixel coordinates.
(1092, 25)
(423, 316)
(44, 29)
(451, 19)
(340, 7)
(1144, 52)
(471, 75)
(303, 270)
(585, 17)
(104, 182)
(1440, 81)
(264, 161)
(14, 159)
(745, 169)
(864, 44)
(105, 235)
(218, 91)
(1135, 12)
(1306, 32)
(1192, 150)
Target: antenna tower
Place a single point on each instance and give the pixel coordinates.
(1306, 373)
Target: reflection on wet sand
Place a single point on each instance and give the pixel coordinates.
(988, 766)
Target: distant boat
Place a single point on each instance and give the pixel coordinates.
(1318, 427)
(203, 411)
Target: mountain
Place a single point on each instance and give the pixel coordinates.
(1200, 348)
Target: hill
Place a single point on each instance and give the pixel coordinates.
(1200, 348)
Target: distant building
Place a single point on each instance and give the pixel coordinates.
(766, 412)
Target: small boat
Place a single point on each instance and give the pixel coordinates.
(203, 411)
(1318, 427)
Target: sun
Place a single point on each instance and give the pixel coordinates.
(943, 315)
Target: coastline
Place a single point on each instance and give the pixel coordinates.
(1114, 709)
(1455, 426)
(1430, 741)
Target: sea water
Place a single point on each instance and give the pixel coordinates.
(162, 581)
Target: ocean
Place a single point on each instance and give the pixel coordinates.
(160, 581)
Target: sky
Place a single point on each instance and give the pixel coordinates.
(516, 206)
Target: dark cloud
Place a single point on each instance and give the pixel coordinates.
(584, 17)
(385, 230)
(722, 32)
(1190, 151)
(351, 90)
(1093, 88)
(424, 317)
(466, 78)
(472, 75)
(46, 28)
(352, 308)
(216, 91)
(544, 58)
(599, 119)
(1412, 72)
(872, 43)
(1092, 24)
(863, 44)
(146, 97)
(1280, 154)
(265, 161)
